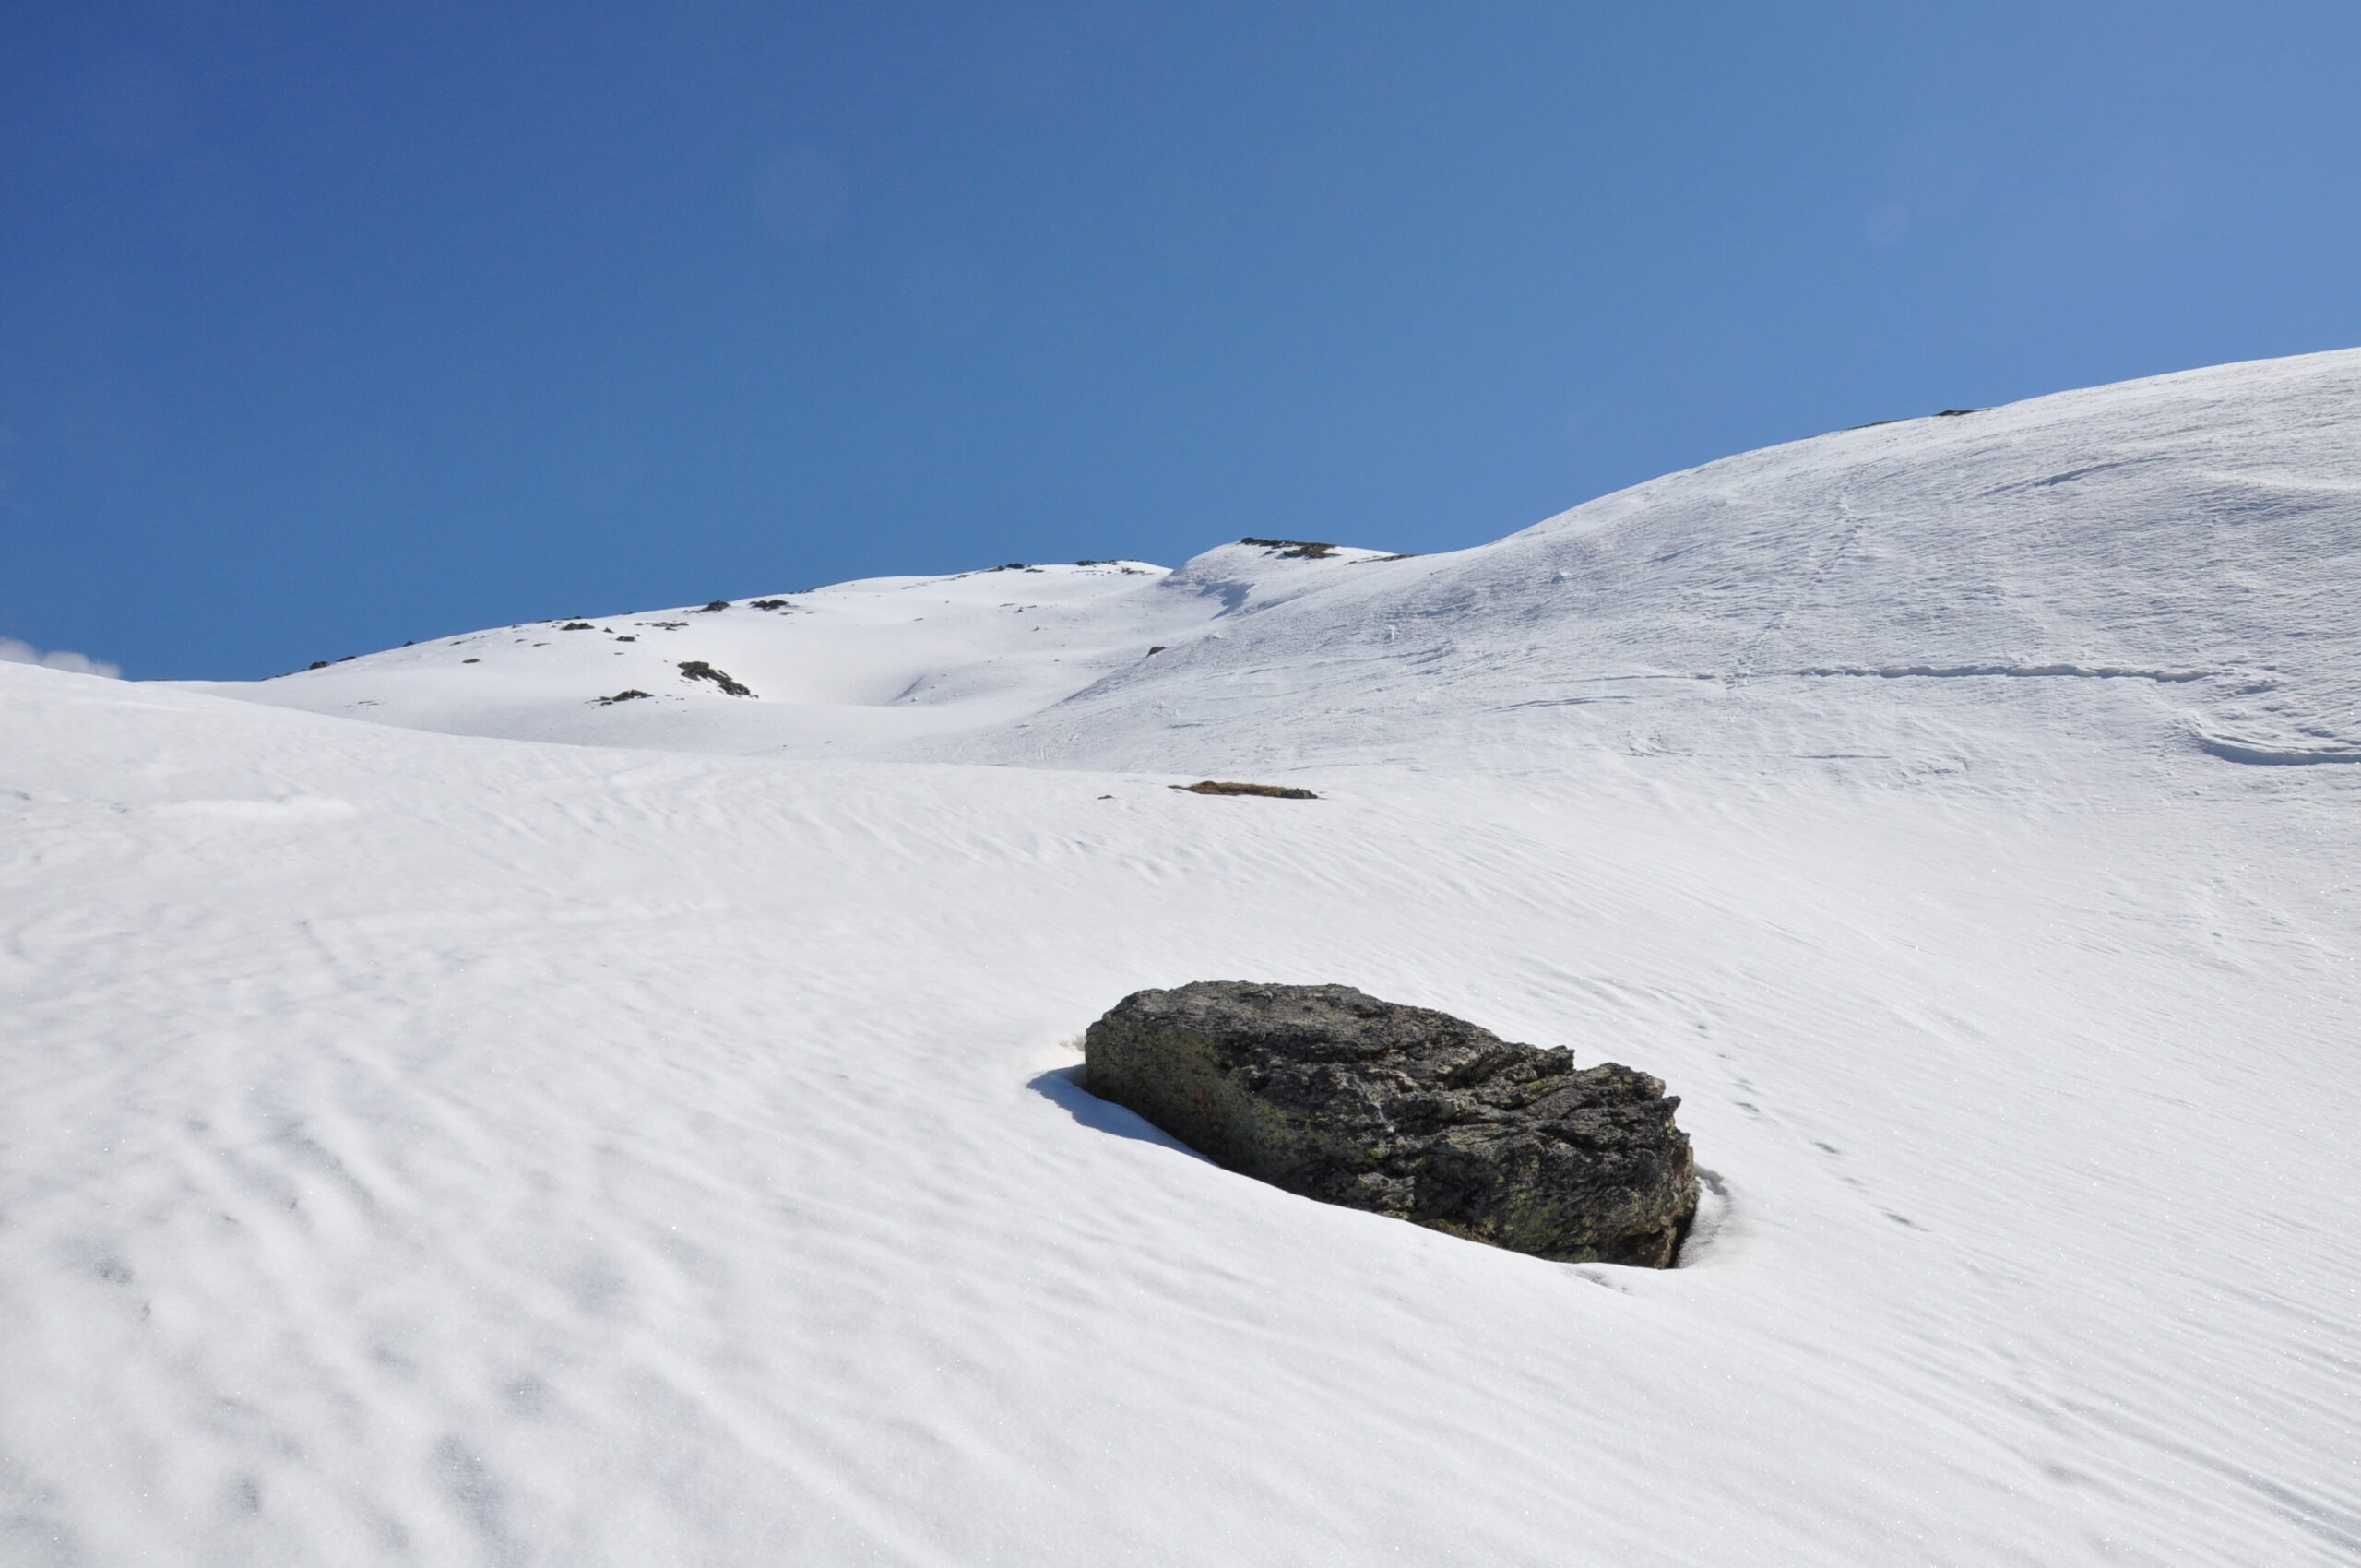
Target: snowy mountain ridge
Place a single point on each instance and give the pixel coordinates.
(867, 666)
(2186, 542)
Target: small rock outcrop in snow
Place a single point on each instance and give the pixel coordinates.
(1329, 1092)
(1232, 787)
(698, 670)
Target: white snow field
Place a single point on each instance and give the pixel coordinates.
(456, 1148)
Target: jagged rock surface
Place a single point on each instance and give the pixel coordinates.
(1329, 1092)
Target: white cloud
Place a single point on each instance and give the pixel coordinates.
(14, 652)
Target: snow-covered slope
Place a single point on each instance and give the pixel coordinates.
(2157, 570)
(2160, 568)
(443, 1148)
(865, 666)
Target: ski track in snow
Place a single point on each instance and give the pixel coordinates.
(665, 1148)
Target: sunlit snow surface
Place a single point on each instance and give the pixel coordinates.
(439, 1148)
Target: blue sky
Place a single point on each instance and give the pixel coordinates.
(325, 327)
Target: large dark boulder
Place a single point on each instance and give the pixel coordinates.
(1328, 1092)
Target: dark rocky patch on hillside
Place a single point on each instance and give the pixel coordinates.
(1231, 786)
(698, 670)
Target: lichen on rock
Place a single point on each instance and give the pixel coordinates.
(1330, 1093)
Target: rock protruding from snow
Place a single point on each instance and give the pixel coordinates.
(1330, 1093)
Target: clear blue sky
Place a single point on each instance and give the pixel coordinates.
(327, 326)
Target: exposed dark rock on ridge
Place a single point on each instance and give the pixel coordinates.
(1304, 548)
(1329, 1092)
